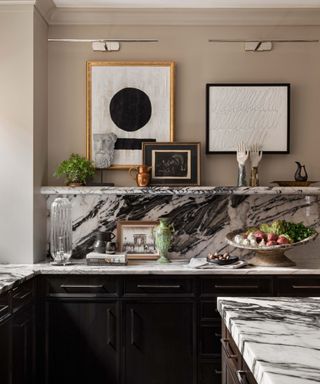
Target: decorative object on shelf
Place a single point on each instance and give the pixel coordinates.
(99, 246)
(270, 242)
(255, 158)
(98, 259)
(301, 173)
(173, 163)
(60, 231)
(136, 238)
(248, 112)
(222, 259)
(133, 100)
(111, 248)
(142, 175)
(77, 169)
(103, 144)
(242, 157)
(163, 233)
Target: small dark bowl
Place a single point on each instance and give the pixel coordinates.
(231, 260)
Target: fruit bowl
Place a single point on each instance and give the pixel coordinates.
(268, 256)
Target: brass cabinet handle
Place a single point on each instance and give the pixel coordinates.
(146, 286)
(236, 286)
(86, 288)
(21, 295)
(242, 376)
(305, 286)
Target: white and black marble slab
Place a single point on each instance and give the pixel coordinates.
(12, 275)
(201, 190)
(201, 222)
(279, 338)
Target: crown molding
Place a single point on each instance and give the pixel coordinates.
(184, 17)
(44, 7)
(187, 3)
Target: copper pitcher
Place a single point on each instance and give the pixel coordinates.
(142, 175)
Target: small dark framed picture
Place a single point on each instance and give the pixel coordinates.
(173, 164)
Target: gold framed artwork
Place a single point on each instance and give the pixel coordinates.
(132, 100)
(173, 164)
(136, 237)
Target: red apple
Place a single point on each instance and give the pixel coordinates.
(283, 240)
(272, 237)
(271, 243)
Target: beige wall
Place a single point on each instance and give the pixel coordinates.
(23, 134)
(198, 62)
(40, 133)
(16, 134)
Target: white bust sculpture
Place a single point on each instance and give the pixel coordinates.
(103, 144)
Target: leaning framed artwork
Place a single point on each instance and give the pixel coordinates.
(255, 114)
(136, 237)
(173, 164)
(132, 102)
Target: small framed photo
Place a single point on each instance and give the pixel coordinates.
(137, 239)
(249, 113)
(173, 164)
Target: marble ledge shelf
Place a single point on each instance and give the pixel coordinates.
(203, 190)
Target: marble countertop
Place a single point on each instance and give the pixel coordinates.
(307, 263)
(201, 190)
(279, 338)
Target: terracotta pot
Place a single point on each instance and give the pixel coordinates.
(74, 185)
(141, 174)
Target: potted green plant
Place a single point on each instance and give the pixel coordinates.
(76, 170)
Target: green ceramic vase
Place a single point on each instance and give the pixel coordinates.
(163, 238)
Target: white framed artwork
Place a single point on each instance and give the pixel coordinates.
(132, 100)
(249, 113)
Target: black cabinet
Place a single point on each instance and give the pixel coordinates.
(22, 347)
(82, 342)
(159, 342)
(5, 351)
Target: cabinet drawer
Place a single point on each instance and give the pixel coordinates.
(299, 286)
(240, 286)
(81, 286)
(158, 286)
(209, 372)
(209, 311)
(22, 295)
(4, 307)
(210, 340)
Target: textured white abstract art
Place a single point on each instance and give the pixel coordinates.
(249, 114)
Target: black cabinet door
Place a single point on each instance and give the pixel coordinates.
(82, 342)
(23, 347)
(5, 352)
(159, 346)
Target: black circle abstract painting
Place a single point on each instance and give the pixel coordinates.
(130, 109)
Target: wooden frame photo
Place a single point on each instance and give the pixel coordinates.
(173, 164)
(132, 100)
(137, 239)
(249, 113)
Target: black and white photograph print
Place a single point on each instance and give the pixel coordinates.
(173, 164)
(132, 100)
(137, 239)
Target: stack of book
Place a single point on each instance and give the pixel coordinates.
(95, 258)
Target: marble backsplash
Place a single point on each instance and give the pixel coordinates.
(200, 222)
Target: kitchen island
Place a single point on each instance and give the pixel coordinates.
(278, 338)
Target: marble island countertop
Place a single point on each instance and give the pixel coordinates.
(279, 338)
